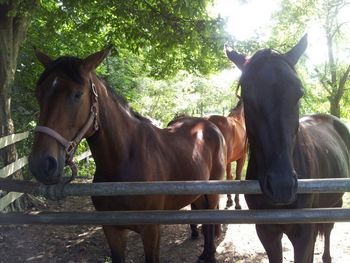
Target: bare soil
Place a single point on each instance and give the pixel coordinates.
(238, 243)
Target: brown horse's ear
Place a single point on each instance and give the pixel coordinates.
(91, 62)
(293, 55)
(42, 57)
(238, 59)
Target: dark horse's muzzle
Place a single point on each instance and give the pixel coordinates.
(280, 189)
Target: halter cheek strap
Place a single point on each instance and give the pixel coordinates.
(71, 146)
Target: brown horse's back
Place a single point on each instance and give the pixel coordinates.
(234, 132)
(199, 143)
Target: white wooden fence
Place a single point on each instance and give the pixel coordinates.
(19, 164)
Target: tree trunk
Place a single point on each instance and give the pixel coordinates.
(335, 107)
(13, 25)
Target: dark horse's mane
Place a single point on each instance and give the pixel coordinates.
(69, 66)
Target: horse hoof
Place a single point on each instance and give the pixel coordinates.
(229, 203)
(200, 260)
(238, 207)
(326, 259)
(194, 236)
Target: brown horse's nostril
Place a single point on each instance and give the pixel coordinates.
(44, 169)
(51, 166)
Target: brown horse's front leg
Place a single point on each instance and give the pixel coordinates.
(116, 238)
(229, 177)
(239, 168)
(208, 255)
(150, 235)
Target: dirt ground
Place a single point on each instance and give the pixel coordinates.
(80, 244)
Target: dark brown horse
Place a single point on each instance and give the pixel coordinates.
(284, 148)
(233, 129)
(75, 103)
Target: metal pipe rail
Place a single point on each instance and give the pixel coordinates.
(292, 216)
(334, 185)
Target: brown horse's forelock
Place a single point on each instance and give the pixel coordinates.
(69, 66)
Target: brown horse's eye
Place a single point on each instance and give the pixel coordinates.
(77, 95)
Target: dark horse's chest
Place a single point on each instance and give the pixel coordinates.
(322, 150)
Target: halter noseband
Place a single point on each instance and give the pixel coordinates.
(70, 146)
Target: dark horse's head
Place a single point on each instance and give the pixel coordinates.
(271, 91)
(67, 98)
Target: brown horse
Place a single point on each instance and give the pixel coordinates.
(233, 129)
(75, 103)
(284, 148)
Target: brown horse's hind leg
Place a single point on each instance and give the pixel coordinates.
(194, 228)
(151, 243)
(229, 177)
(239, 168)
(116, 238)
(208, 254)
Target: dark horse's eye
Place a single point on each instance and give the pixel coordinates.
(77, 96)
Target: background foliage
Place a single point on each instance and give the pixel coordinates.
(167, 55)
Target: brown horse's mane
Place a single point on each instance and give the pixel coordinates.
(70, 67)
(119, 99)
(236, 108)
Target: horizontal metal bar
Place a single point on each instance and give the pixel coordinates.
(335, 185)
(292, 216)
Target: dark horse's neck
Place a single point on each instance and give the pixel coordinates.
(118, 125)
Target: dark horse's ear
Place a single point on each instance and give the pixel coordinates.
(293, 55)
(91, 62)
(235, 57)
(42, 57)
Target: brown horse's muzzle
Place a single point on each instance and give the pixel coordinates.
(47, 168)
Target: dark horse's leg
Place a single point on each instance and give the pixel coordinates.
(229, 177)
(116, 238)
(270, 236)
(151, 242)
(326, 230)
(303, 239)
(239, 168)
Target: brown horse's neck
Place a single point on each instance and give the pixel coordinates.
(117, 128)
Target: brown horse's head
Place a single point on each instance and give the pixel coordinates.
(67, 99)
(271, 91)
